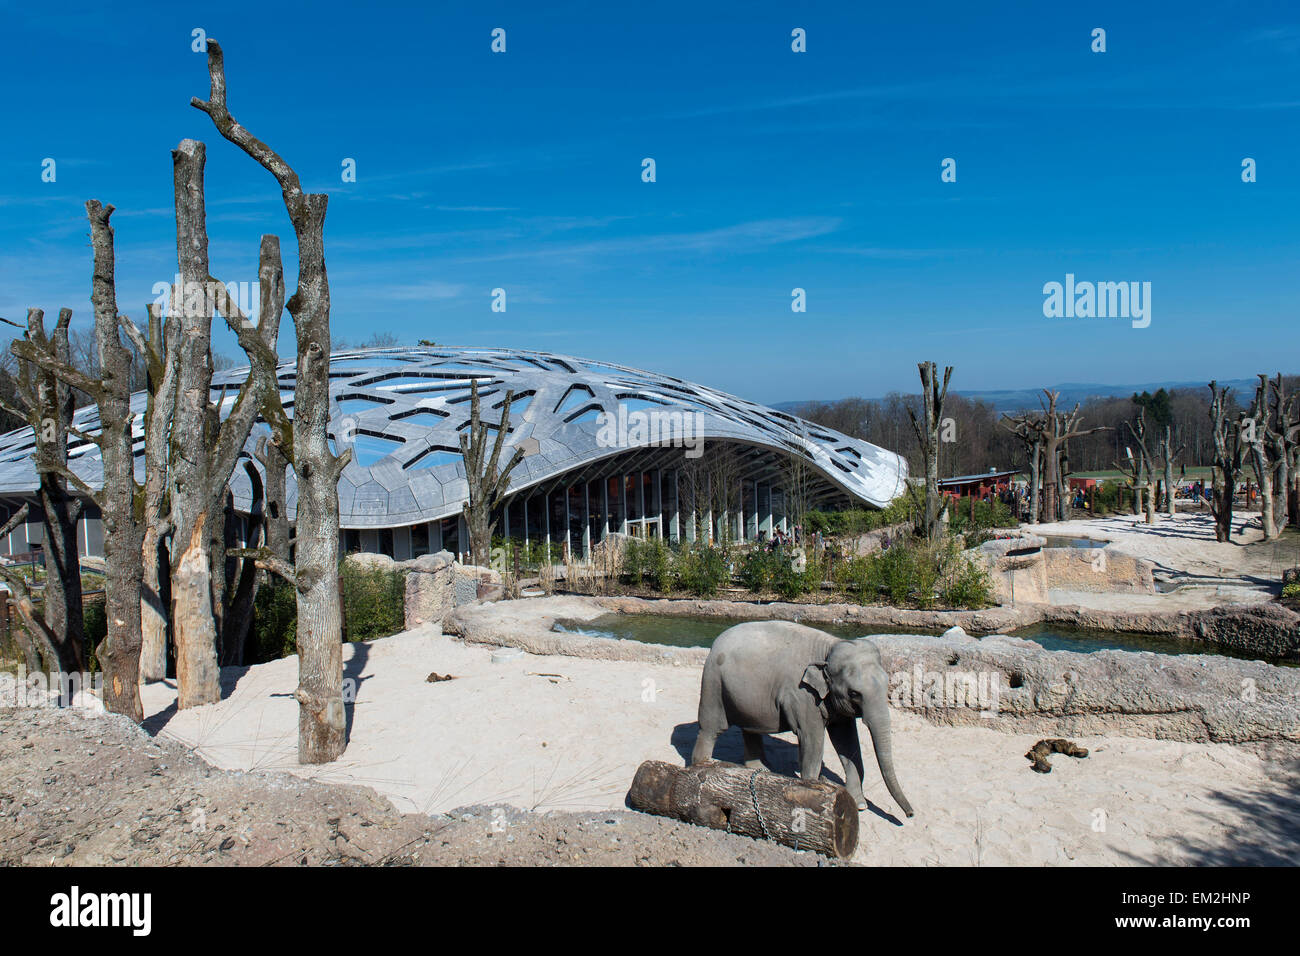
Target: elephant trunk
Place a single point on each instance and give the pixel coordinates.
(876, 717)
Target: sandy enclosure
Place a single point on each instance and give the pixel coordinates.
(566, 733)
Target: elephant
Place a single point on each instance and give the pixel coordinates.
(773, 676)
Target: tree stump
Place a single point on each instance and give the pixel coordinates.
(802, 814)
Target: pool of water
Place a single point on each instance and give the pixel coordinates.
(1061, 541)
(701, 631)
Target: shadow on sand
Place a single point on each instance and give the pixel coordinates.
(353, 670)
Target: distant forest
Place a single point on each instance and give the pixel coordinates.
(981, 442)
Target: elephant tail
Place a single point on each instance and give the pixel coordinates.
(876, 717)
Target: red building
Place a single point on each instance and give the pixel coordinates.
(990, 482)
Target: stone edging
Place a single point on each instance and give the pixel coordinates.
(1189, 697)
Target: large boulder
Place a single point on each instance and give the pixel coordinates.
(372, 561)
(1098, 569)
(430, 589)
(1267, 629)
(1016, 567)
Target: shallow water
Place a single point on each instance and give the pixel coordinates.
(701, 631)
(1062, 541)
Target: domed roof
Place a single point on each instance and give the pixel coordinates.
(402, 411)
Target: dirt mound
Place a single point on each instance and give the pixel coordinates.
(97, 790)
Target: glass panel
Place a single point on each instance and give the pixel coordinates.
(576, 522)
(419, 540)
(632, 485)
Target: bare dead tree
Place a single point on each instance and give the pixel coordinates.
(1270, 436)
(275, 517)
(242, 575)
(35, 636)
(1229, 454)
(927, 437)
(1140, 470)
(487, 480)
(1260, 434)
(119, 652)
(202, 463)
(321, 715)
(1168, 454)
(1025, 427)
(46, 403)
(1284, 437)
(1047, 434)
(1058, 427)
(161, 351)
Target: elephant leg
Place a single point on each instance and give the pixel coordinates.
(753, 750)
(712, 716)
(844, 738)
(703, 751)
(812, 742)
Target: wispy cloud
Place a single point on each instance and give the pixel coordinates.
(742, 237)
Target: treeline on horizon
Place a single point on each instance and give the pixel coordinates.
(981, 442)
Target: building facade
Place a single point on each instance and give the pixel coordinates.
(606, 449)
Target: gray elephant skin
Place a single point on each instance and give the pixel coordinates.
(768, 677)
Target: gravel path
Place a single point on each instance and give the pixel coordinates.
(78, 789)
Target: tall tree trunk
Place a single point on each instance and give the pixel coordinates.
(198, 677)
(1228, 452)
(1171, 506)
(321, 718)
(275, 516)
(1051, 480)
(927, 437)
(1035, 481)
(49, 411)
(486, 479)
(162, 351)
(119, 653)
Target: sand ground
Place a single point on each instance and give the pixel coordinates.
(565, 733)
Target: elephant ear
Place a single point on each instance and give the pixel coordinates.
(814, 678)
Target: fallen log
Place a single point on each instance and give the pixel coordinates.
(806, 815)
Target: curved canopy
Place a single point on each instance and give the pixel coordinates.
(402, 410)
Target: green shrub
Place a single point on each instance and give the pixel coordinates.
(758, 569)
(531, 555)
(633, 566)
(95, 622)
(1106, 497)
(374, 601)
(859, 520)
(702, 569)
(988, 515)
(648, 562)
(966, 584)
(914, 572)
(658, 564)
(273, 633)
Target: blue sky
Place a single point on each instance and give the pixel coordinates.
(775, 170)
